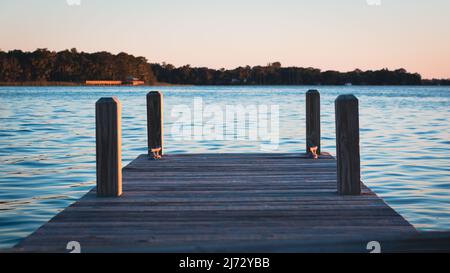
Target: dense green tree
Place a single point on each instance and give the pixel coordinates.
(71, 66)
(43, 65)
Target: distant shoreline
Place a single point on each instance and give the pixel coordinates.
(73, 68)
(64, 84)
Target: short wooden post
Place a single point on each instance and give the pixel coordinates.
(109, 147)
(347, 145)
(312, 120)
(155, 128)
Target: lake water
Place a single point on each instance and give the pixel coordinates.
(47, 143)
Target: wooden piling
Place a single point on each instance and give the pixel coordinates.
(155, 128)
(313, 120)
(347, 145)
(109, 147)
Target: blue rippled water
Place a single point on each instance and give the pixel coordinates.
(47, 143)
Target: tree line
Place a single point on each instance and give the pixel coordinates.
(43, 65)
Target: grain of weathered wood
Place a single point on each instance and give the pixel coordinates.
(218, 206)
(313, 120)
(109, 147)
(347, 145)
(391, 240)
(155, 127)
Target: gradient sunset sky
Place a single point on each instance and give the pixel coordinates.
(327, 34)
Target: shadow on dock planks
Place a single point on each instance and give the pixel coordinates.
(224, 203)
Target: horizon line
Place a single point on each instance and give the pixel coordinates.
(162, 63)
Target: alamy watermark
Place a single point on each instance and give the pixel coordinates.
(74, 247)
(73, 2)
(374, 247)
(214, 122)
(373, 2)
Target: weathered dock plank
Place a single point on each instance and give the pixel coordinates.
(223, 202)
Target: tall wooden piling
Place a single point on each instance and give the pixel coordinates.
(155, 128)
(347, 145)
(108, 115)
(313, 120)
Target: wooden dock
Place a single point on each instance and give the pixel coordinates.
(252, 202)
(221, 202)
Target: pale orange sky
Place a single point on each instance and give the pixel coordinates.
(327, 34)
